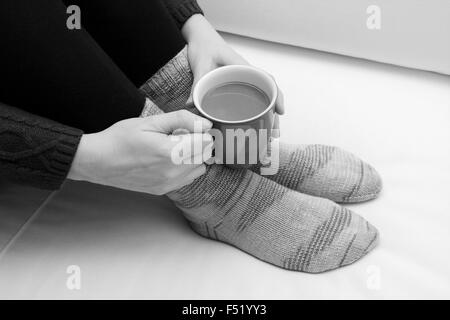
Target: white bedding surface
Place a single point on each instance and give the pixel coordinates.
(131, 245)
(17, 205)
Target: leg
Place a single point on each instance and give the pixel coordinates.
(140, 35)
(58, 73)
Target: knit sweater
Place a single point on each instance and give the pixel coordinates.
(35, 151)
(181, 10)
(39, 152)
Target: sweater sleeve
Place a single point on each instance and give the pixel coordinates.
(35, 151)
(182, 10)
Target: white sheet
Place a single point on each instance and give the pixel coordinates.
(412, 33)
(130, 245)
(17, 205)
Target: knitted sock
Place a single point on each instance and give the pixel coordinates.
(273, 223)
(316, 170)
(326, 171)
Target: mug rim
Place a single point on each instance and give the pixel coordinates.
(271, 105)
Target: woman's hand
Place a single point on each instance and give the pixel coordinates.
(207, 50)
(138, 154)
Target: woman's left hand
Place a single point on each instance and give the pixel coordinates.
(207, 50)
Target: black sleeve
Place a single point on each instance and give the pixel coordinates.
(35, 151)
(182, 10)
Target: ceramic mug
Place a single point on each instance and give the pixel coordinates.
(243, 142)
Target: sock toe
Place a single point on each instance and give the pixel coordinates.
(357, 239)
(372, 186)
(366, 184)
(335, 174)
(362, 242)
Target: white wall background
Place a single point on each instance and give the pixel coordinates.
(413, 33)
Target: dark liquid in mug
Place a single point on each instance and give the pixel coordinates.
(235, 101)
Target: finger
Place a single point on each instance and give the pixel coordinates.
(210, 161)
(208, 151)
(202, 146)
(280, 103)
(276, 127)
(175, 121)
(191, 148)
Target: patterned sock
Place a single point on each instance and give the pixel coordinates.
(328, 172)
(171, 86)
(316, 170)
(273, 223)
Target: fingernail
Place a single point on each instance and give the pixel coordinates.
(208, 124)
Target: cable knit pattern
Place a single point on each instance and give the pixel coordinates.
(181, 10)
(35, 151)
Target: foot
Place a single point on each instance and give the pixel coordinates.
(327, 172)
(273, 223)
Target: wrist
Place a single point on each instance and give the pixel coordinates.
(197, 26)
(82, 162)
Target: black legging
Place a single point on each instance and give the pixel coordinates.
(65, 75)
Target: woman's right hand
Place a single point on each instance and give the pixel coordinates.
(137, 154)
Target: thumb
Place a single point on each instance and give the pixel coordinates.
(175, 121)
